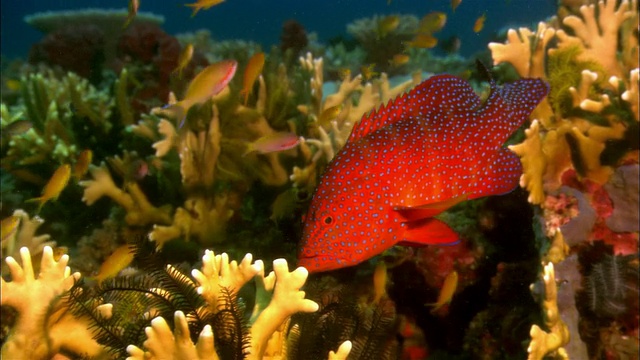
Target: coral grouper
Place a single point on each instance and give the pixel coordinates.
(410, 160)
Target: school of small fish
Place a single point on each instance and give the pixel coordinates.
(410, 160)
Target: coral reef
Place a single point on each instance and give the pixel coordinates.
(210, 299)
(578, 156)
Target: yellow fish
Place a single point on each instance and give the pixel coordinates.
(425, 41)
(118, 260)
(344, 73)
(251, 73)
(279, 141)
(203, 4)
(9, 228)
(133, 11)
(479, 24)
(184, 59)
(368, 72)
(455, 4)
(13, 85)
(432, 22)
(209, 82)
(387, 25)
(54, 187)
(82, 164)
(399, 60)
(379, 281)
(329, 115)
(446, 292)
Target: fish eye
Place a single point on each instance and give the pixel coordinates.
(327, 220)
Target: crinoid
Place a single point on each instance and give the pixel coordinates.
(610, 286)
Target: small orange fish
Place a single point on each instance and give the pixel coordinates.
(368, 72)
(54, 187)
(455, 4)
(209, 82)
(425, 41)
(9, 228)
(379, 281)
(82, 164)
(387, 24)
(432, 22)
(399, 60)
(17, 127)
(133, 11)
(344, 73)
(184, 59)
(329, 115)
(116, 262)
(479, 24)
(203, 4)
(13, 85)
(279, 141)
(446, 292)
(251, 73)
(283, 206)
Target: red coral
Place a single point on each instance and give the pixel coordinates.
(143, 44)
(76, 48)
(436, 262)
(293, 37)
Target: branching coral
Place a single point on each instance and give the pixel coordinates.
(599, 109)
(59, 109)
(44, 327)
(70, 310)
(549, 342)
(324, 143)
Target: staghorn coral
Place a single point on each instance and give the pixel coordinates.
(207, 305)
(324, 144)
(585, 113)
(44, 326)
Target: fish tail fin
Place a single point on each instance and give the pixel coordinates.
(178, 112)
(195, 7)
(245, 93)
(41, 202)
(249, 150)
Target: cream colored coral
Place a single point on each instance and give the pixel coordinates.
(533, 161)
(170, 140)
(598, 34)
(218, 271)
(139, 210)
(44, 325)
(287, 299)
(343, 351)
(524, 50)
(201, 217)
(199, 153)
(549, 343)
(162, 343)
(631, 95)
(25, 236)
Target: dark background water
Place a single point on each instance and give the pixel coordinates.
(261, 20)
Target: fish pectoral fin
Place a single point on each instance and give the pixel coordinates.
(428, 232)
(413, 213)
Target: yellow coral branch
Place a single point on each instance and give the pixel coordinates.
(549, 343)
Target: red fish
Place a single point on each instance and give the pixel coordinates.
(410, 160)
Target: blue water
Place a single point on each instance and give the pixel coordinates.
(261, 20)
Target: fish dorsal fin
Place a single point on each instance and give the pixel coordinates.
(440, 94)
